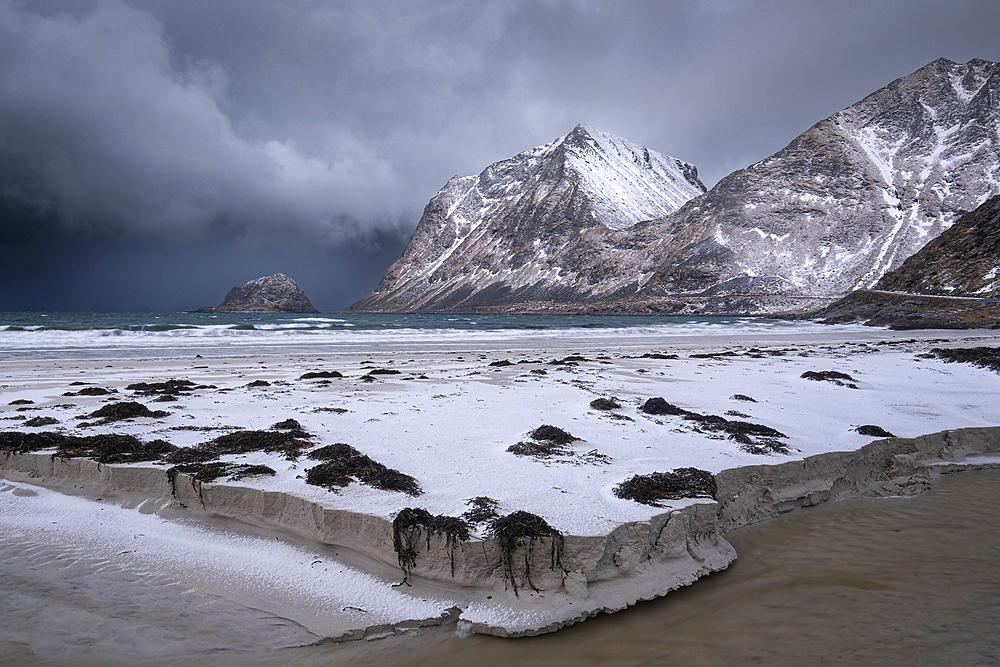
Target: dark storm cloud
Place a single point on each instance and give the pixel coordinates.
(326, 126)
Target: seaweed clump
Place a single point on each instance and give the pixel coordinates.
(548, 441)
(656, 487)
(753, 438)
(605, 404)
(836, 377)
(659, 406)
(90, 391)
(481, 509)
(114, 412)
(289, 443)
(874, 431)
(407, 528)
(313, 375)
(41, 421)
(209, 472)
(105, 448)
(23, 443)
(113, 448)
(342, 464)
(169, 387)
(522, 530)
(983, 357)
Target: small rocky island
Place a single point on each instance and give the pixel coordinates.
(270, 294)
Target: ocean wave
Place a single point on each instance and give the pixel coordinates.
(135, 335)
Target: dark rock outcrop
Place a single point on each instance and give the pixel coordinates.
(270, 294)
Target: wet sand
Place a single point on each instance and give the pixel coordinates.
(898, 581)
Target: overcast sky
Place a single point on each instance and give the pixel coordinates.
(155, 153)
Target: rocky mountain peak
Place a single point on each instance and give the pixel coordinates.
(510, 224)
(853, 196)
(270, 294)
(594, 223)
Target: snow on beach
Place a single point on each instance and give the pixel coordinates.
(448, 419)
(446, 413)
(320, 593)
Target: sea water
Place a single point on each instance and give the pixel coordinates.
(94, 336)
(893, 581)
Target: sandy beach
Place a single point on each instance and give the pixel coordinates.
(446, 413)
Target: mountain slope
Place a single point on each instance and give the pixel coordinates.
(963, 261)
(577, 225)
(533, 226)
(853, 196)
(951, 283)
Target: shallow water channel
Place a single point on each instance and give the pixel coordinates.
(900, 581)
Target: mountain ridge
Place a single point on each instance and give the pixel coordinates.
(501, 227)
(838, 207)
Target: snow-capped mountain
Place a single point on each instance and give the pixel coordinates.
(591, 222)
(519, 231)
(852, 197)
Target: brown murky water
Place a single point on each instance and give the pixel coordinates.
(903, 581)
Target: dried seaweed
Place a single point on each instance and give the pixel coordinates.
(874, 431)
(408, 526)
(113, 448)
(113, 412)
(289, 443)
(343, 464)
(90, 391)
(22, 443)
(605, 404)
(538, 449)
(753, 438)
(41, 421)
(983, 357)
(209, 472)
(522, 530)
(312, 375)
(659, 406)
(167, 388)
(836, 377)
(553, 434)
(481, 509)
(655, 487)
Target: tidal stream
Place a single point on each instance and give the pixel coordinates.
(898, 581)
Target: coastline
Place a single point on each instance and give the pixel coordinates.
(809, 477)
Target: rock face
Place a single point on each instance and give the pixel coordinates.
(844, 203)
(853, 196)
(534, 227)
(951, 283)
(963, 261)
(270, 294)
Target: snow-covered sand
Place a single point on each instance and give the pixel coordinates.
(448, 417)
